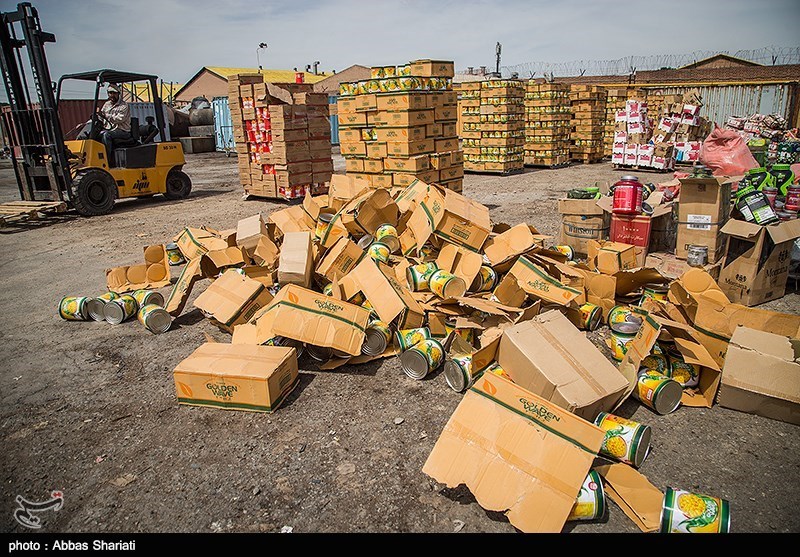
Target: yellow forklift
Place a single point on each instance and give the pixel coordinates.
(79, 171)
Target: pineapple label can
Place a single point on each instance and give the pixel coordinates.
(174, 255)
(658, 392)
(121, 309)
(422, 358)
(458, 372)
(146, 297)
(591, 501)
(447, 285)
(485, 281)
(95, 305)
(626, 441)
(591, 316)
(688, 375)
(417, 275)
(406, 338)
(73, 308)
(656, 361)
(323, 222)
(377, 337)
(387, 234)
(619, 343)
(155, 318)
(379, 252)
(693, 513)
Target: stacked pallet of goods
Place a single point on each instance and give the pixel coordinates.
(548, 112)
(588, 121)
(282, 135)
(493, 120)
(400, 126)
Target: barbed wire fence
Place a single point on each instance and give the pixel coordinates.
(768, 56)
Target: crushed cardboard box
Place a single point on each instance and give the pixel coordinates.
(153, 273)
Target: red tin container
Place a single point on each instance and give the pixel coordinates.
(628, 196)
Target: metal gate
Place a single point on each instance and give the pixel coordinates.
(223, 125)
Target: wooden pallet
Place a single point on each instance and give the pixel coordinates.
(549, 166)
(18, 211)
(638, 168)
(586, 159)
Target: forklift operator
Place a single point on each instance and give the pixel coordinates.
(117, 117)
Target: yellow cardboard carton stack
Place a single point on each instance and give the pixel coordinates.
(547, 124)
(493, 120)
(589, 113)
(400, 126)
(282, 135)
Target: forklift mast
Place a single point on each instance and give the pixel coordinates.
(34, 132)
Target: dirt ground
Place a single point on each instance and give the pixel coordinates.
(88, 406)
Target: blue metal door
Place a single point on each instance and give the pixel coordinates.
(334, 122)
(223, 125)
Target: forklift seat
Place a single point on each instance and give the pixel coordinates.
(133, 141)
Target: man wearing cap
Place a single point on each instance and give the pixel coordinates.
(117, 117)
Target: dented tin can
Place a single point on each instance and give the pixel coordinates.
(422, 358)
(694, 513)
(591, 501)
(377, 337)
(458, 372)
(688, 375)
(619, 343)
(73, 308)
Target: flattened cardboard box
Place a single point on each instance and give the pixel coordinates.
(302, 314)
(762, 375)
(296, 261)
(180, 292)
(516, 452)
(232, 299)
(549, 356)
(153, 273)
(237, 377)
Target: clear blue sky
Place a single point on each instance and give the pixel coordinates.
(175, 38)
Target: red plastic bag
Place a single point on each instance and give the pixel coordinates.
(726, 153)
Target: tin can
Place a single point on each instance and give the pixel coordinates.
(688, 375)
(485, 281)
(656, 361)
(73, 308)
(117, 311)
(422, 358)
(387, 234)
(377, 337)
(591, 501)
(328, 289)
(147, 297)
(658, 392)
(155, 318)
(458, 372)
(591, 316)
(566, 250)
(406, 338)
(357, 299)
(619, 342)
(447, 285)
(285, 341)
(497, 369)
(623, 320)
(654, 291)
(626, 440)
(687, 512)
(379, 252)
(95, 305)
(174, 254)
(696, 255)
(323, 222)
(368, 306)
(417, 276)
(319, 353)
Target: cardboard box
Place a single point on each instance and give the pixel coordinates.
(249, 230)
(215, 262)
(409, 148)
(401, 134)
(609, 258)
(582, 220)
(307, 316)
(407, 118)
(703, 208)
(402, 102)
(232, 299)
(538, 283)
(340, 259)
(432, 68)
(672, 268)
(452, 217)
(236, 376)
(153, 273)
(756, 263)
(550, 357)
(194, 242)
(516, 452)
(418, 163)
(296, 259)
(762, 375)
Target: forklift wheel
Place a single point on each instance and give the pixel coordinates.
(179, 185)
(93, 192)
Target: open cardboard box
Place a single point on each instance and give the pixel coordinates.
(232, 299)
(153, 273)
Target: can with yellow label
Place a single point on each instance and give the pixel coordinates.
(686, 512)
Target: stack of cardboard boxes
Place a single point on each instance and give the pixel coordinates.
(547, 124)
(400, 126)
(282, 135)
(588, 113)
(632, 145)
(493, 120)
(615, 101)
(677, 122)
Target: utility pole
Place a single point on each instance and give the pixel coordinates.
(498, 47)
(258, 59)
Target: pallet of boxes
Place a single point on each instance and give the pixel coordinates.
(493, 119)
(678, 128)
(282, 135)
(615, 101)
(548, 111)
(588, 121)
(400, 126)
(633, 145)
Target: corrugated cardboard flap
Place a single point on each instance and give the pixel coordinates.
(741, 229)
(235, 360)
(468, 209)
(784, 231)
(516, 452)
(764, 342)
(640, 500)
